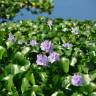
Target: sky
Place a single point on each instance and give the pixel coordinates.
(76, 9)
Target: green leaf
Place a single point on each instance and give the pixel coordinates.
(33, 94)
(73, 61)
(16, 68)
(2, 51)
(25, 85)
(36, 88)
(12, 69)
(64, 62)
(77, 94)
(93, 94)
(68, 52)
(9, 80)
(56, 80)
(31, 78)
(25, 50)
(20, 59)
(66, 82)
(93, 75)
(58, 93)
(43, 76)
(9, 44)
(87, 78)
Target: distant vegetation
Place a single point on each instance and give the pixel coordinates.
(9, 8)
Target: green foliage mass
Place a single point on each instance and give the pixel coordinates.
(9, 8)
(21, 76)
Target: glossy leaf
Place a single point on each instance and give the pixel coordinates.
(20, 59)
(25, 85)
(2, 51)
(64, 63)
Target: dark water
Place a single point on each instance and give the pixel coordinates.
(76, 9)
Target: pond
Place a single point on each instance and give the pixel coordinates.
(76, 9)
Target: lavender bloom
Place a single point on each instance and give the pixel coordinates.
(77, 80)
(46, 46)
(33, 43)
(53, 57)
(75, 30)
(67, 45)
(11, 37)
(42, 60)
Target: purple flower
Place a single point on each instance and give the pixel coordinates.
(42, 60)
(46, 46)
(11, 37)
(77, 80)
(67, 45)
(33, 43)
(53, 57)
(75, 30)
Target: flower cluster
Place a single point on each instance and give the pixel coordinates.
(67, 45)
(33, 43)
(47, 46)
(77, 80)
(42, 60)
(75, 30)
(11, 37)
(53, 57)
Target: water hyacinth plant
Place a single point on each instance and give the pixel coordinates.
(11, 37)
(37, 64)
(75, 30)
(33, 43)
(53, 57)
(77, 80)
(42, 60)
(46, 46)
(67, 45)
